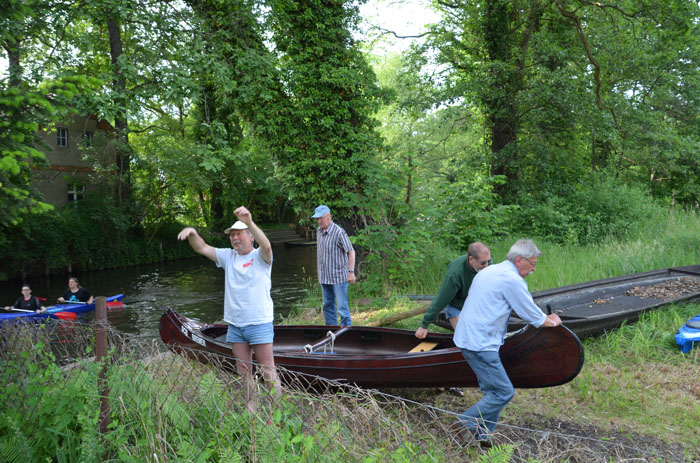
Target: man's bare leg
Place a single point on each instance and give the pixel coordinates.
(265, 356)
(244, 366)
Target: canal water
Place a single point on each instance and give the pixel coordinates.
(193, 287)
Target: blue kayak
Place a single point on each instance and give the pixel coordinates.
(54, 309)
(689, 334)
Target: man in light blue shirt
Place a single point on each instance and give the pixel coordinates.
(495, 292)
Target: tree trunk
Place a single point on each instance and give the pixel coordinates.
(216, 207)
(501, 109)
(14, 67)
(409, 180)
(121, 124)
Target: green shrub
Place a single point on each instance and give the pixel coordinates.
(599, 208)
(55, 417)
(470, 211)
(92, 234)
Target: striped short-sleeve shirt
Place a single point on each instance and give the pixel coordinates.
(332, 248)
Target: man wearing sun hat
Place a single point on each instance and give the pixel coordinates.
(247, 302)
(335, 259)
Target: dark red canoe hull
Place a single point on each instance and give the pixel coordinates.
(379, 357)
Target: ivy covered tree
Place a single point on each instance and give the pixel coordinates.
(331, 95)
(310, 97)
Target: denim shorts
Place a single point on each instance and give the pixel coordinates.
(251, 334)
(451, 311)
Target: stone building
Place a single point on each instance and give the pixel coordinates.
(72, 148)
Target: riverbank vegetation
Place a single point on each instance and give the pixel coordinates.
(635, 386)
(637, 398)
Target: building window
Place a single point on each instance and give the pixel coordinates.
(76, 191)
(62, 137)
(87, 139)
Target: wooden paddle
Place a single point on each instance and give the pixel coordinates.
(110, 304)
(60, 315)
(400, 316)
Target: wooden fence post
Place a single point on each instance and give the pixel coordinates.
(101, 351)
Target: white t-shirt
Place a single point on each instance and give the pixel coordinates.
(247, 298)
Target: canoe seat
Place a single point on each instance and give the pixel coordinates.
(423, 347)
(695, 324)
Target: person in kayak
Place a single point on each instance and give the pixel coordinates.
(75, 293)
(27, 302)
(248, 307)
(495, 292)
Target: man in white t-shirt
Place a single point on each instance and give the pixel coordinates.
(247, 302)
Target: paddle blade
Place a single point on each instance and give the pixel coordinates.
(115, 305)
(69, 316)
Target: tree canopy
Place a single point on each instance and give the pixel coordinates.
(510, 109)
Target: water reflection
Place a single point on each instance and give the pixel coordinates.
(194, 287)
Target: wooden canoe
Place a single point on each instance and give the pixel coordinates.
(594, 307)
(381, 357)
(50, 311)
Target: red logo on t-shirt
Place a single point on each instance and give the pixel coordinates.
(248, 264)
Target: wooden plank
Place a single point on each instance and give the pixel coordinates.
(400, 316)
(423, 347)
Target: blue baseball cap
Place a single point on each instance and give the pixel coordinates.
(320, 211)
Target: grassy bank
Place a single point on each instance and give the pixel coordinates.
(635, 381)
(670, 238)
(635, 385)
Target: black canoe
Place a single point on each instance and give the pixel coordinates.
(381, 357)
(594, 307)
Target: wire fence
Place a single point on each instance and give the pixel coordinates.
(162, 407)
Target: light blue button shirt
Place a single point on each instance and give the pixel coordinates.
(495, 292)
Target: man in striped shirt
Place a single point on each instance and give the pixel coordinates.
(335, 258)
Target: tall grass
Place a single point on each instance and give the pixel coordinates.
(670, 238)
(662, 237)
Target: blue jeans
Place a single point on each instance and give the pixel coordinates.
(481, 418)
(335, 301)
(451, 311)
(251, 334)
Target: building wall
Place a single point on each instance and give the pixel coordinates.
(68, 170)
